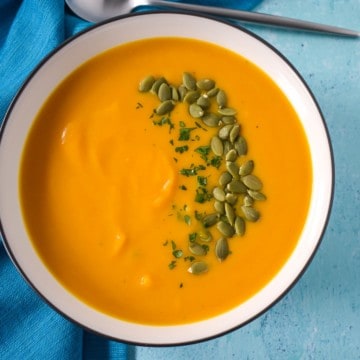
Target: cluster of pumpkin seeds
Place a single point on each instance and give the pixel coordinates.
(238, 188)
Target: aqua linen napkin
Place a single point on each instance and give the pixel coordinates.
(29, 328)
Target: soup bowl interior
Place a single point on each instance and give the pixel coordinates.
(108, 35)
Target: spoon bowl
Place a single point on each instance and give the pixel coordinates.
(99, 10)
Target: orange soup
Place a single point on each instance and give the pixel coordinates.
(115, 194)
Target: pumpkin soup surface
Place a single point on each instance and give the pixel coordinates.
(110, 209)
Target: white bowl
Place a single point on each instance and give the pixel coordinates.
(94, 41)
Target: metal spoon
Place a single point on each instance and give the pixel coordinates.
(98, 10)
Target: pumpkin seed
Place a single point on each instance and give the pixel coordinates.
(191, 96)
(225, 178)
(164, 92)
(165, 107)
(233, 169)
(211, 120)
(231, 155)
(189, 81)
(222, 249)
(219, 194)
(252, 182)
(239, 226)
(203, 101)
(196, 249)
(213, 92)
(205, 84)
(146, 83)
(216, 146)
(230, 213)
(257, 195)
(234, 133)
(228, 120)
(231, 198)
(198, 267)
(174, 93)
(225, 228)
(210, 219)
(205, 235)
(246, 168)
(156, 85)
(196, 111)
(240, 146)
(182, 91)
(224, 132)
(221, 98)
(248, 200)
(227, 111)
(250, 213)
(237, 187)
(227, 146)
(219, 207)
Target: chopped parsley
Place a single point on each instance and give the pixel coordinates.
(184, 134)
(203, 150)
(181, 149)
(177, 253)
(202, 180)
(192, 171)
(189, 258)
(192, 237)
(164, 121)
(187, 219)
(216, 161)
(202, 195)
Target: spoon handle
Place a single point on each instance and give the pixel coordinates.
(254, 17)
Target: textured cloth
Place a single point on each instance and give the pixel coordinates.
(29, 328)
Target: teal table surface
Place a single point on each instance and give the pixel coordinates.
(320, 317)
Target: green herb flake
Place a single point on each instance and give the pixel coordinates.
(202, 195)
(202, 180)
(216, 161)
(187, 219)
(198, 216)
(181, 149)
(203, 150)
(182, 124)
(173, 245)
(172, 265)
(164, 121)
(177, 253)
(185, 134)
(183, 187)
(192, 171)
(189, 258)
(192, 237)
(205, 247)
